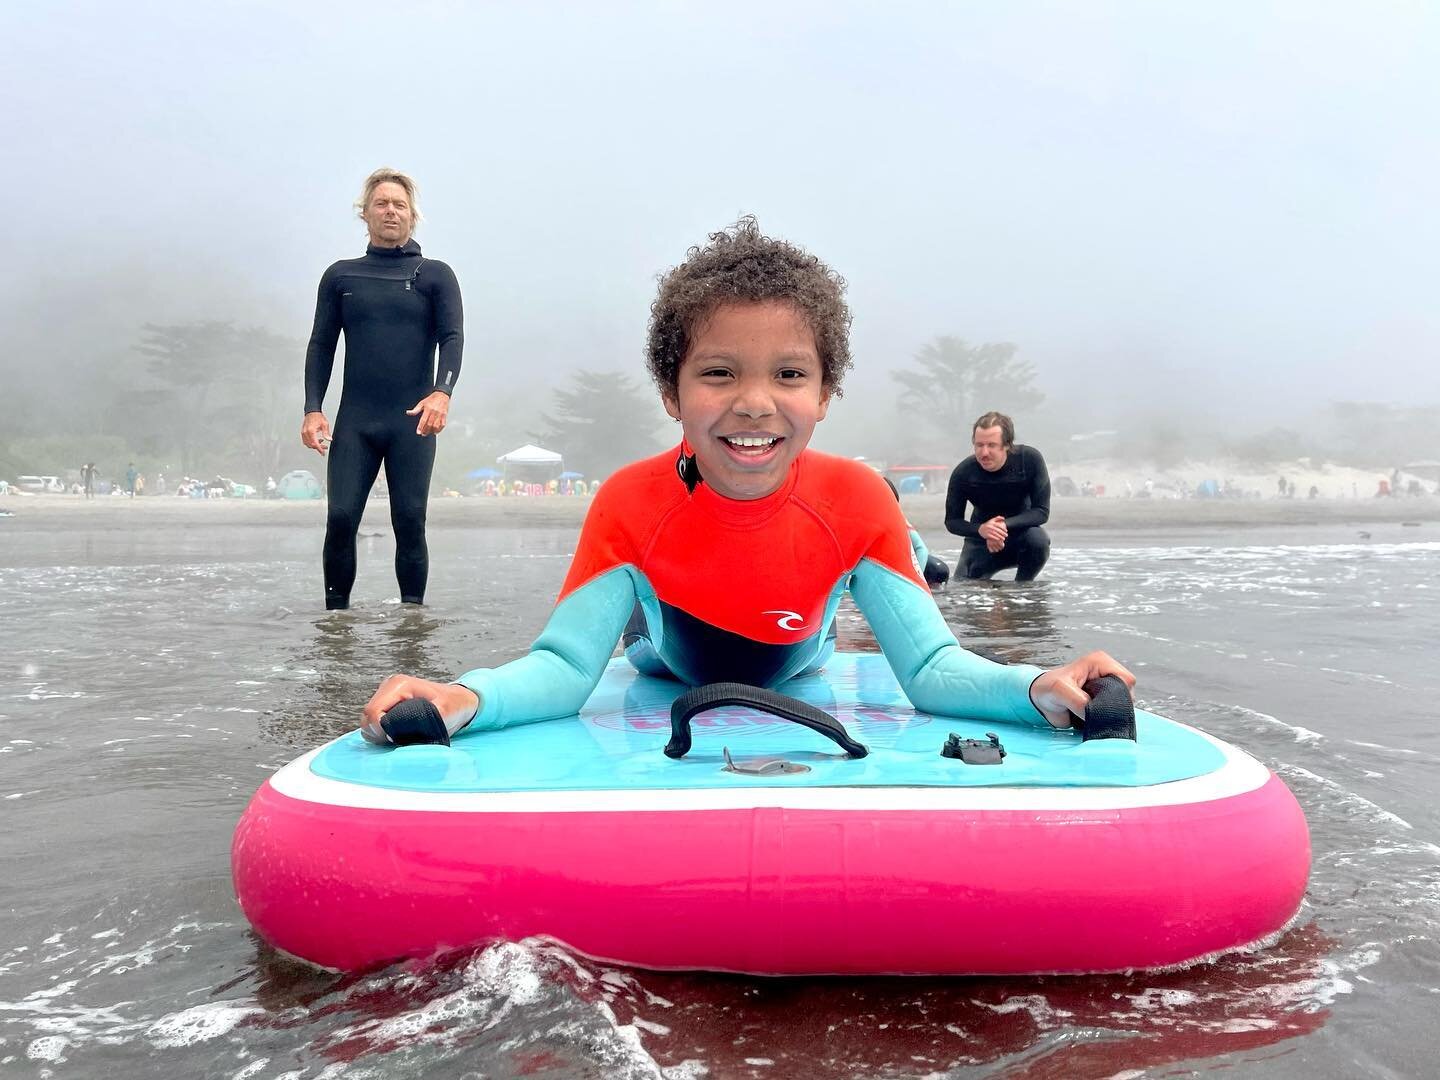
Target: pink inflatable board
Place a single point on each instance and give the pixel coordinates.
(768, 849)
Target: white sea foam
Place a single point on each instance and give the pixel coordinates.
(47, 1048)
(200, 1023)
(1346, 796)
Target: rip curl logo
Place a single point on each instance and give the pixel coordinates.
(789, 620)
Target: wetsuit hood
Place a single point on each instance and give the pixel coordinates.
(410, 247)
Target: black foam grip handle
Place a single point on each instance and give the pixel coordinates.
(1111, 712)
(717, 695)
(415, 722)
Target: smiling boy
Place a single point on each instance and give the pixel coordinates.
(728, 555)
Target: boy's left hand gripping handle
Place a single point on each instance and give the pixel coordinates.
(415, 722)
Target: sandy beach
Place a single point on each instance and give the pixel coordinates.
(925, 511)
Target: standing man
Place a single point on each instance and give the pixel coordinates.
(396, 308)
(1010, 490)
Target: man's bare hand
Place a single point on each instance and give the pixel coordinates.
(432, 410)
(315, 432)
(1059, 694)
(994, 533)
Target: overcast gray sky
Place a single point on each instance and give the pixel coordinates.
(1227, 202)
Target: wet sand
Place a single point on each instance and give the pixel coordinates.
(926, 512)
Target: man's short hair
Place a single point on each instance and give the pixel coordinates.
(996, 419)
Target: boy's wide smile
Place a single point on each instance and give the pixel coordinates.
(752, 449)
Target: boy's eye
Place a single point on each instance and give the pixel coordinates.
(793, 373)
(717, 372)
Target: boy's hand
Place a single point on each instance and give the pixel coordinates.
(457, 705)
(1058, 693)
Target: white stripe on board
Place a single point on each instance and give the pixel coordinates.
(1239, 774)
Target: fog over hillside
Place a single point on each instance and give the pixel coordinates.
(1205, 224)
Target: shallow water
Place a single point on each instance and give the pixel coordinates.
(154, 678)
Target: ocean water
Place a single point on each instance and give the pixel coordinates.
(154, 677)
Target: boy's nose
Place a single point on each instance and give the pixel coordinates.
(754, 399)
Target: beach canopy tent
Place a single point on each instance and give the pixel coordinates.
(531, 462)
(300, 484)
(483, 473)
(910, 479)
(530, 454)
(569, 475)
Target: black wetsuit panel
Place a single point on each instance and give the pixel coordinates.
(395, 308)
(1019, 491)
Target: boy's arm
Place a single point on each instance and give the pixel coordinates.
(565, 662)
(937, 675)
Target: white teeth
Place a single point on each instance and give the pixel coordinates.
(751, 440)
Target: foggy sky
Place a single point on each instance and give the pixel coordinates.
(1224, 206)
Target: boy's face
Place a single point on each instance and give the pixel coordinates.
(750, 394)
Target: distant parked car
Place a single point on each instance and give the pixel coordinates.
(51, 484)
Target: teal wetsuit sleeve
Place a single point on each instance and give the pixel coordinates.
(566, 661)
(922, 553)
(937, 675)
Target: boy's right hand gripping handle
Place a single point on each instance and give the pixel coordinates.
(1111, 712)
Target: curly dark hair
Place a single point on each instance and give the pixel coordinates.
(742, 265)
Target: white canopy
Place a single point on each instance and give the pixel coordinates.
(530, 454)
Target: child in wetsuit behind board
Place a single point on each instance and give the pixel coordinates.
(736, 545)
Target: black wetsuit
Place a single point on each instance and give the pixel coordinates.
(1018, 491)
(395, 307)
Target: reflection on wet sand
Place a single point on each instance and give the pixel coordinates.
(1004, 620)
(845, 1027)
(339, 664)
(836, 1027)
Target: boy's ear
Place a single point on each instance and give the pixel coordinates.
(672, 407)
(824, 406)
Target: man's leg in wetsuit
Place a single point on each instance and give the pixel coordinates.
(1032, 549)
(977, 562)
(409, 461)
(354, 463)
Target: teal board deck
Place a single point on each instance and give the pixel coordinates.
(617, 739)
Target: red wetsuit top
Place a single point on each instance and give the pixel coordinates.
(741, 590)
(728, 590)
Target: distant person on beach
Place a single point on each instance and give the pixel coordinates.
(1009, 487)
(396, 308)
(131, 476)
(87, 479)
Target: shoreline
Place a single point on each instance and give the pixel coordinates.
(926, 512)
